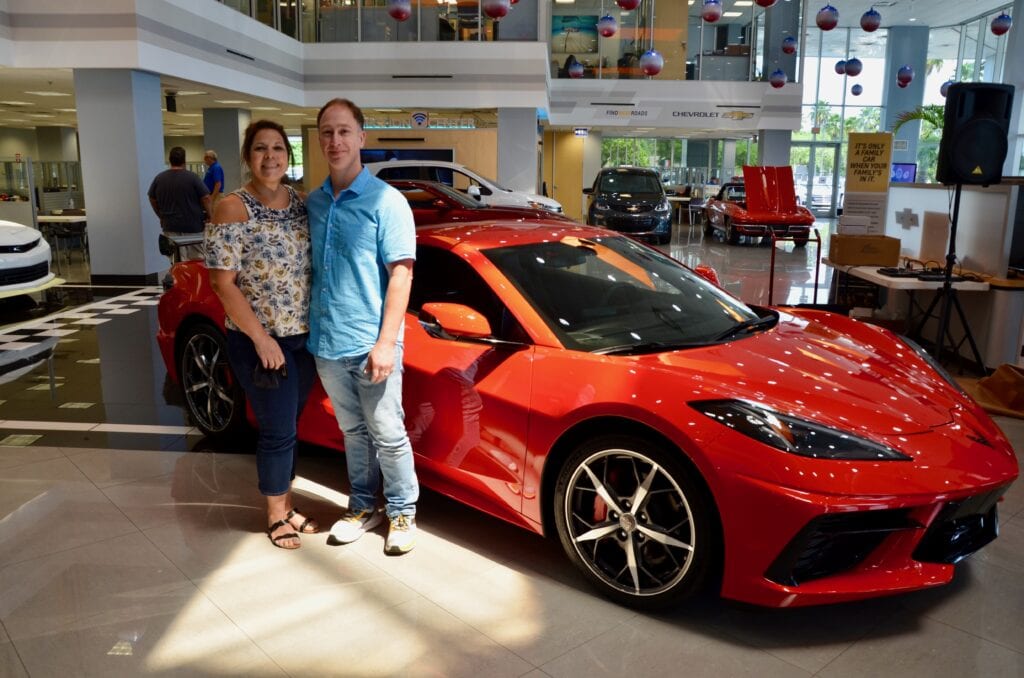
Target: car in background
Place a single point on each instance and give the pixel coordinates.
(434, 203)
(24, 258)
(583, 385)
(631, 200)
(462, 179)
(763, 204)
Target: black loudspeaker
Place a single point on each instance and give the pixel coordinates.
(974, 134)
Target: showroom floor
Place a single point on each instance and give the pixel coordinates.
(131, 545)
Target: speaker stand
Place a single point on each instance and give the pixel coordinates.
(948, 297)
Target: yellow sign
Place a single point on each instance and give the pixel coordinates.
(868, 162)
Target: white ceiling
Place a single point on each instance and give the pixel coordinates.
(22, 105)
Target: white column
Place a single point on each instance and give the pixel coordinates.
(518, 152)
(773, 147)
(728, 159)
(223, 130)
(1013, 74)
(120, 130)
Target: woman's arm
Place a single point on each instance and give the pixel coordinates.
(228, 211)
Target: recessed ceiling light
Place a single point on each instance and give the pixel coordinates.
(40, 115)
(389, 110)
(730, 15)
(912, 19)
(189, 93)
(744, 3)
(49, 94)
(66, 110)
(191, 115)
(296, 114)
(230, 101)
(265, 108)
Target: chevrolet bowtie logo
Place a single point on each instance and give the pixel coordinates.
(738, 115)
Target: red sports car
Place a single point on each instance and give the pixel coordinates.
(435, 203)
(764, 203)
(578, 383)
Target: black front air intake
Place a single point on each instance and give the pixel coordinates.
(960, 529)
(835, 542)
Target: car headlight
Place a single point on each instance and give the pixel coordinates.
(794, 435)
(663, 206)
(601, 206)
(933, 363)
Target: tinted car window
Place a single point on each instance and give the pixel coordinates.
(441, 276)
(629, 182)
(400, 173)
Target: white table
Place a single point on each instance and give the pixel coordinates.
(47, 221)
(915, 310)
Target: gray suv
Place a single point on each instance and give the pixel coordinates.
(631, 200)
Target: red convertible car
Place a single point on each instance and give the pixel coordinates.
(580, 384)
(764, 203)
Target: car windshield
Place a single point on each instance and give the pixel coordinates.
(629, 182)
(612, 294)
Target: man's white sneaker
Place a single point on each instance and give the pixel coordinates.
(354, 524)
(401, 535)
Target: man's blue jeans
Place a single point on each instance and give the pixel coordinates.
(277, 409)
(371, 419)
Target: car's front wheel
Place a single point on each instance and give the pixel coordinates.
(214, 398)
(631, 517)
(732, 236)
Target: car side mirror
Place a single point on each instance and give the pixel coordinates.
(473, 192)
(588, 191)
(708, 273)
(446, 320)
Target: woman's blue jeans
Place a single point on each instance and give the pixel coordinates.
(277, 410)
(371, 419)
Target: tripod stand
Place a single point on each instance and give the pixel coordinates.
(948, 297)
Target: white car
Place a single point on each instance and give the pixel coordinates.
(24, 258)
(463, 179)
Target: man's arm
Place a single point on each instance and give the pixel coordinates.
(381, 359)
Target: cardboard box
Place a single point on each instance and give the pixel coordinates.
(863, 250)
(850, 224)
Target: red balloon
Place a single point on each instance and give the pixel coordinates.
(399, 10)
(765, 3)
(496, 9)
(628, 4)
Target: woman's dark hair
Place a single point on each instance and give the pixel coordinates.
(356, 112)
(258, 126)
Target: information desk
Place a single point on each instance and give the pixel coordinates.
(60, 229)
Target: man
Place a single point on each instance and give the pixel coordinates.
(214, 177)
(363, 244)
(179, 199)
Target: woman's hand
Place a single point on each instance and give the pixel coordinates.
(269, 352)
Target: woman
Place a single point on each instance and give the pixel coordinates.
(257, 252)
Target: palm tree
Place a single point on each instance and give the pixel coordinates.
(931, 114)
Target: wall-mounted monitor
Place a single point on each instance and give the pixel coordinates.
(903, 173)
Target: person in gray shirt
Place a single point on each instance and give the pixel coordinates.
(181, 201)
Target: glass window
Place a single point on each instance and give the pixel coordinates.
(379, 26)
(337, 21)
(265, 12)
(243, 6)
(289, 16)
(308, 21)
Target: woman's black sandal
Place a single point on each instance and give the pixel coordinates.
(308, 526)
(276, 541)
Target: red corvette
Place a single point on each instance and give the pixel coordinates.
(577, 383)
(435, 203)
(764, 203)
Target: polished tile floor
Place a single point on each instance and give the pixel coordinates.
(130, 545)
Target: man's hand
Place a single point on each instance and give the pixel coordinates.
(380, 362)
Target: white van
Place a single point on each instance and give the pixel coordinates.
(463, 179)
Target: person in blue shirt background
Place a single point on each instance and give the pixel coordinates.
(363, 242)
(214, 177)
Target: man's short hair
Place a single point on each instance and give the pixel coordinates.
(210, 153)
(177, 156)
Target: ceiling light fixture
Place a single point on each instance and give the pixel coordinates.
(231, 101)
(48, 93)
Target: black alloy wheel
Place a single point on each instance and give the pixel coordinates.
(632, 519)
(214, 398)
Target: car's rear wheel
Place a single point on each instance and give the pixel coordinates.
(732, 236)
(214, 398)
(632, 518)
(709, 229)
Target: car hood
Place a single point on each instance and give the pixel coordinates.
(805, 368)
(15, 234)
